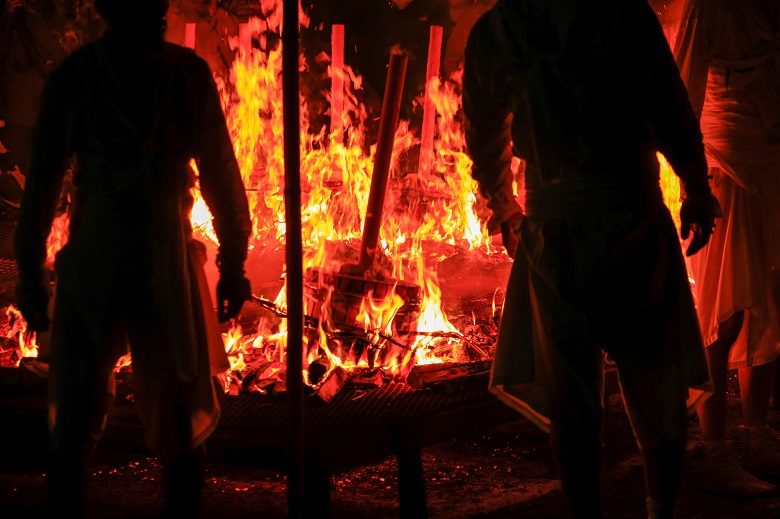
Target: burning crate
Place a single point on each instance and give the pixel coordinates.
(338, 299)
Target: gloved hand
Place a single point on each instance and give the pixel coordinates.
(33, 302)
(509, 234)
(697, 216)
(232, 291)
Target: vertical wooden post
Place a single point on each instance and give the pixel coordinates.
(337, 83)
(244, 38)
(388, 122)
(429, 110)
(294, 257)
(189, 35)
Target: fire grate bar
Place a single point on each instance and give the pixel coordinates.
(365, 420)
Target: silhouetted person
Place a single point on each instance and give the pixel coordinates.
(587, 96)
(132, 110)
(729, 57)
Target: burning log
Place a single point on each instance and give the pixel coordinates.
(318, 369)
(259, 375)
(366, 378)
(429, 375)
(332, 384)
(34, 366)
(9, 352)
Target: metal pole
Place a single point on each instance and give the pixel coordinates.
(292, 207)
(388, 122)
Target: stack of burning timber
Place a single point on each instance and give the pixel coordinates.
(334, 302)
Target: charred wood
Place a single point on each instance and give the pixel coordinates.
(429, 375)
(332, 384)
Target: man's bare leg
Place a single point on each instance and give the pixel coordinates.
(712, 413)
(761, 453)
(755, 388)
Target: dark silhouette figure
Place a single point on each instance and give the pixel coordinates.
(132, 111)
(587, 97)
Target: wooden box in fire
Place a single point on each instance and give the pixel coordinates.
(337, 298)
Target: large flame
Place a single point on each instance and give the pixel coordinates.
(336, 170)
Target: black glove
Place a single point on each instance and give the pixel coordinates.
(508, 234)
(33, 302)
(232, 291)
(697, 215)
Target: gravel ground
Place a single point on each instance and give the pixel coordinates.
(504, 473)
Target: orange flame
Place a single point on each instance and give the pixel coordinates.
(58, 236)
(439, 207)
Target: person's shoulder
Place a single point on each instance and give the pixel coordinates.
(484, 26)
(482, 38)
(184, 58)
(73, 64)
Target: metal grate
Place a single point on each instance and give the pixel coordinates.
(354, 428)
(8, 278)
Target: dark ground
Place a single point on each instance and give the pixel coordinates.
(503, 473)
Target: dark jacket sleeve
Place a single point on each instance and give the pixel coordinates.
(672, 119)
(50, 148)
(220, 177)
(488, 132)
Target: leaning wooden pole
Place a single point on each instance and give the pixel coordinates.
(292, 209)
(388, 122)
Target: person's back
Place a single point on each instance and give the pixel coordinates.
(131, 117)
(133, 111)
(601, 96)
(587, 97)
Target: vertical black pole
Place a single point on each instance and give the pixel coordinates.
(292, 208)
